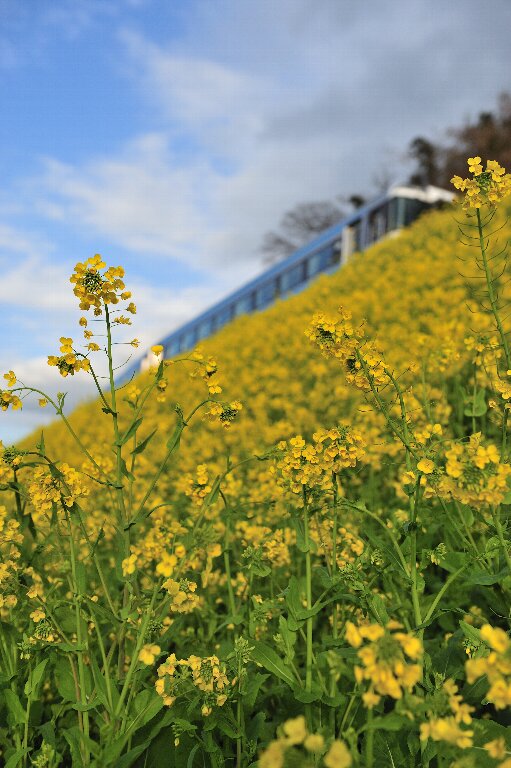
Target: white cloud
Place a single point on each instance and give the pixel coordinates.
(139, 199)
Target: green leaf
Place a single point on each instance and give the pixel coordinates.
(483, 578)
(227, 724)
(475, 406)
(81, 578)
(15, 760)
(390, 722)
(175, 438)
(189, 762)
(453, 561)
(251, 687)
(101, 687)
(47, 731)
(377, 607)
(307, 613)
(34, 680)
(146, 706)
(334, 701)
(306, 697)
(64, 680)
(300, 535)
(288, 637)
(14, 706)
(129, 758)
(143, 445)
(471, 633)
(265, 656)
(130, 432)
(41, 447)
(260, 569)
(293, 603)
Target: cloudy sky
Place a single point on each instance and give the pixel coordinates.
(169, 135)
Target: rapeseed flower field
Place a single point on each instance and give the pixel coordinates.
(290, 547)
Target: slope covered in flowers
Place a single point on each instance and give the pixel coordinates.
(413, 298)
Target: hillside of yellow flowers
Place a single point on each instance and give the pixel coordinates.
(412, 295)
(289, 548)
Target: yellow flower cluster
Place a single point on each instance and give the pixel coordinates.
(46, 489)
(274, 544)
(341, 447)
(94, 288)
(446, 729)
(8, 399)
(349, 546)
(182, 595)
(196, 489)
(475, 473)
(148, 654)
(310, 466)
(294, 739)
(444, 724)
(385, 665)
(223, 413)
(337, 337)
(486, 186)
(68, 362)
(206, 674)
(496, 666)
(299, 467)
(10, 377)
(159, 549)
(207, 370)
(10, 540)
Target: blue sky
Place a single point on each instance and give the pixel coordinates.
(170, 135)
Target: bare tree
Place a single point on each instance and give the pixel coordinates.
(298, 227)
(425, 156)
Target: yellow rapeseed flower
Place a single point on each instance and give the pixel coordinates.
(338, 756)
(149, 653)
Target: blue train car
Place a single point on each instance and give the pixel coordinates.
(395, 209)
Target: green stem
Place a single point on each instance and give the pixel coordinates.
(136, 651)
(27, 718)
(442, 591)
(369, 744)
(491, 293)
(308, 594)
(118, 447)
(500, 533)
(413, 555)
(79, 639)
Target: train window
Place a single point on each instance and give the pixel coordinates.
(293, 277)
(224, 316)
(332, 254)
(392, 222)
(413, 208)
(189, 339)
(315, 264)
(205, 328)
(244, 304)
(357, 235)
(265, 295)
(377, 224)
(172, 348)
